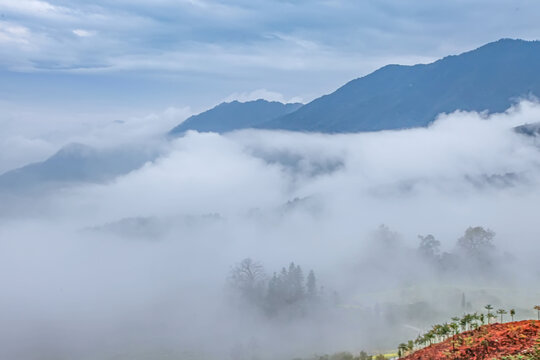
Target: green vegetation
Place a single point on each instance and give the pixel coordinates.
(488, 308)
(502, 312)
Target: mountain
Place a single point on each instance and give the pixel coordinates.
(528, 129)
(74, 163)
(235, 115)
(490, 78)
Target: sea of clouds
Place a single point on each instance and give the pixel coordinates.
(137, 266)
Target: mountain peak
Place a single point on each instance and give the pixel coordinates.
(234, 115)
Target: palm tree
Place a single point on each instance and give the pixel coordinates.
(488, 308)
(512, 314)
(446, 330)
(469, 318)
(420, 341)
(482, 318)
(463, 323)
(402, 348)
(537, 308)
(502, 312)
(455, 327)
(491, 316)
(429, 337)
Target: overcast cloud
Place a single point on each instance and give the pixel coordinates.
(196, 53)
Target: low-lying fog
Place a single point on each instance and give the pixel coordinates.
(150, 265)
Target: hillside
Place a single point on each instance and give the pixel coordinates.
(489, 78)
(495, 341)
(235, 115)
(74, 163)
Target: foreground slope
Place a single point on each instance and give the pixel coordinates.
(496, 341)
(235, 115)
(490, 78)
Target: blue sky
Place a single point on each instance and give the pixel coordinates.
(138, 56)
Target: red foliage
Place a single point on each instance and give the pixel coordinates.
(485, 343)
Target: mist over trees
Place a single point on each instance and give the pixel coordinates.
(287, 293)
(474, 253)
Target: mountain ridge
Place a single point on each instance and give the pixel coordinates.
(234, 115)
(490, 78)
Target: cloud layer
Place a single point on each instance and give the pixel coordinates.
(277, 197)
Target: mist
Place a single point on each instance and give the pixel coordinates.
(140, 266)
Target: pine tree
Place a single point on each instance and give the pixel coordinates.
(311, 285)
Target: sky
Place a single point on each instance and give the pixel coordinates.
(136, 57)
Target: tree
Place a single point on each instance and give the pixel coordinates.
(429, 247)
(537, 308)
(455, 328)
(430, 336)
(311, 285)
(501, 312)
(468, 319)
(402, 349)
(364, 356)
(248, 277)
(512, 314)
(477, 243)
(297, 280)
(488, 308)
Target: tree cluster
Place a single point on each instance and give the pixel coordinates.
(473, 251)
(286, 292)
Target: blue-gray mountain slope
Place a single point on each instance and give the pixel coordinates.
(490, 78)
(235, 115)
(74, 163)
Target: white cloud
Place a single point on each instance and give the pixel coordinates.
(35, 8)
(13, 33)
(84, 33)
(261, 94)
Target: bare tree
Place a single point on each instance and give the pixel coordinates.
(249, 278)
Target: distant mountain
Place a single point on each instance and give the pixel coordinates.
(74, 163)
(528, 129)
(235, 115)
(490, 78)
